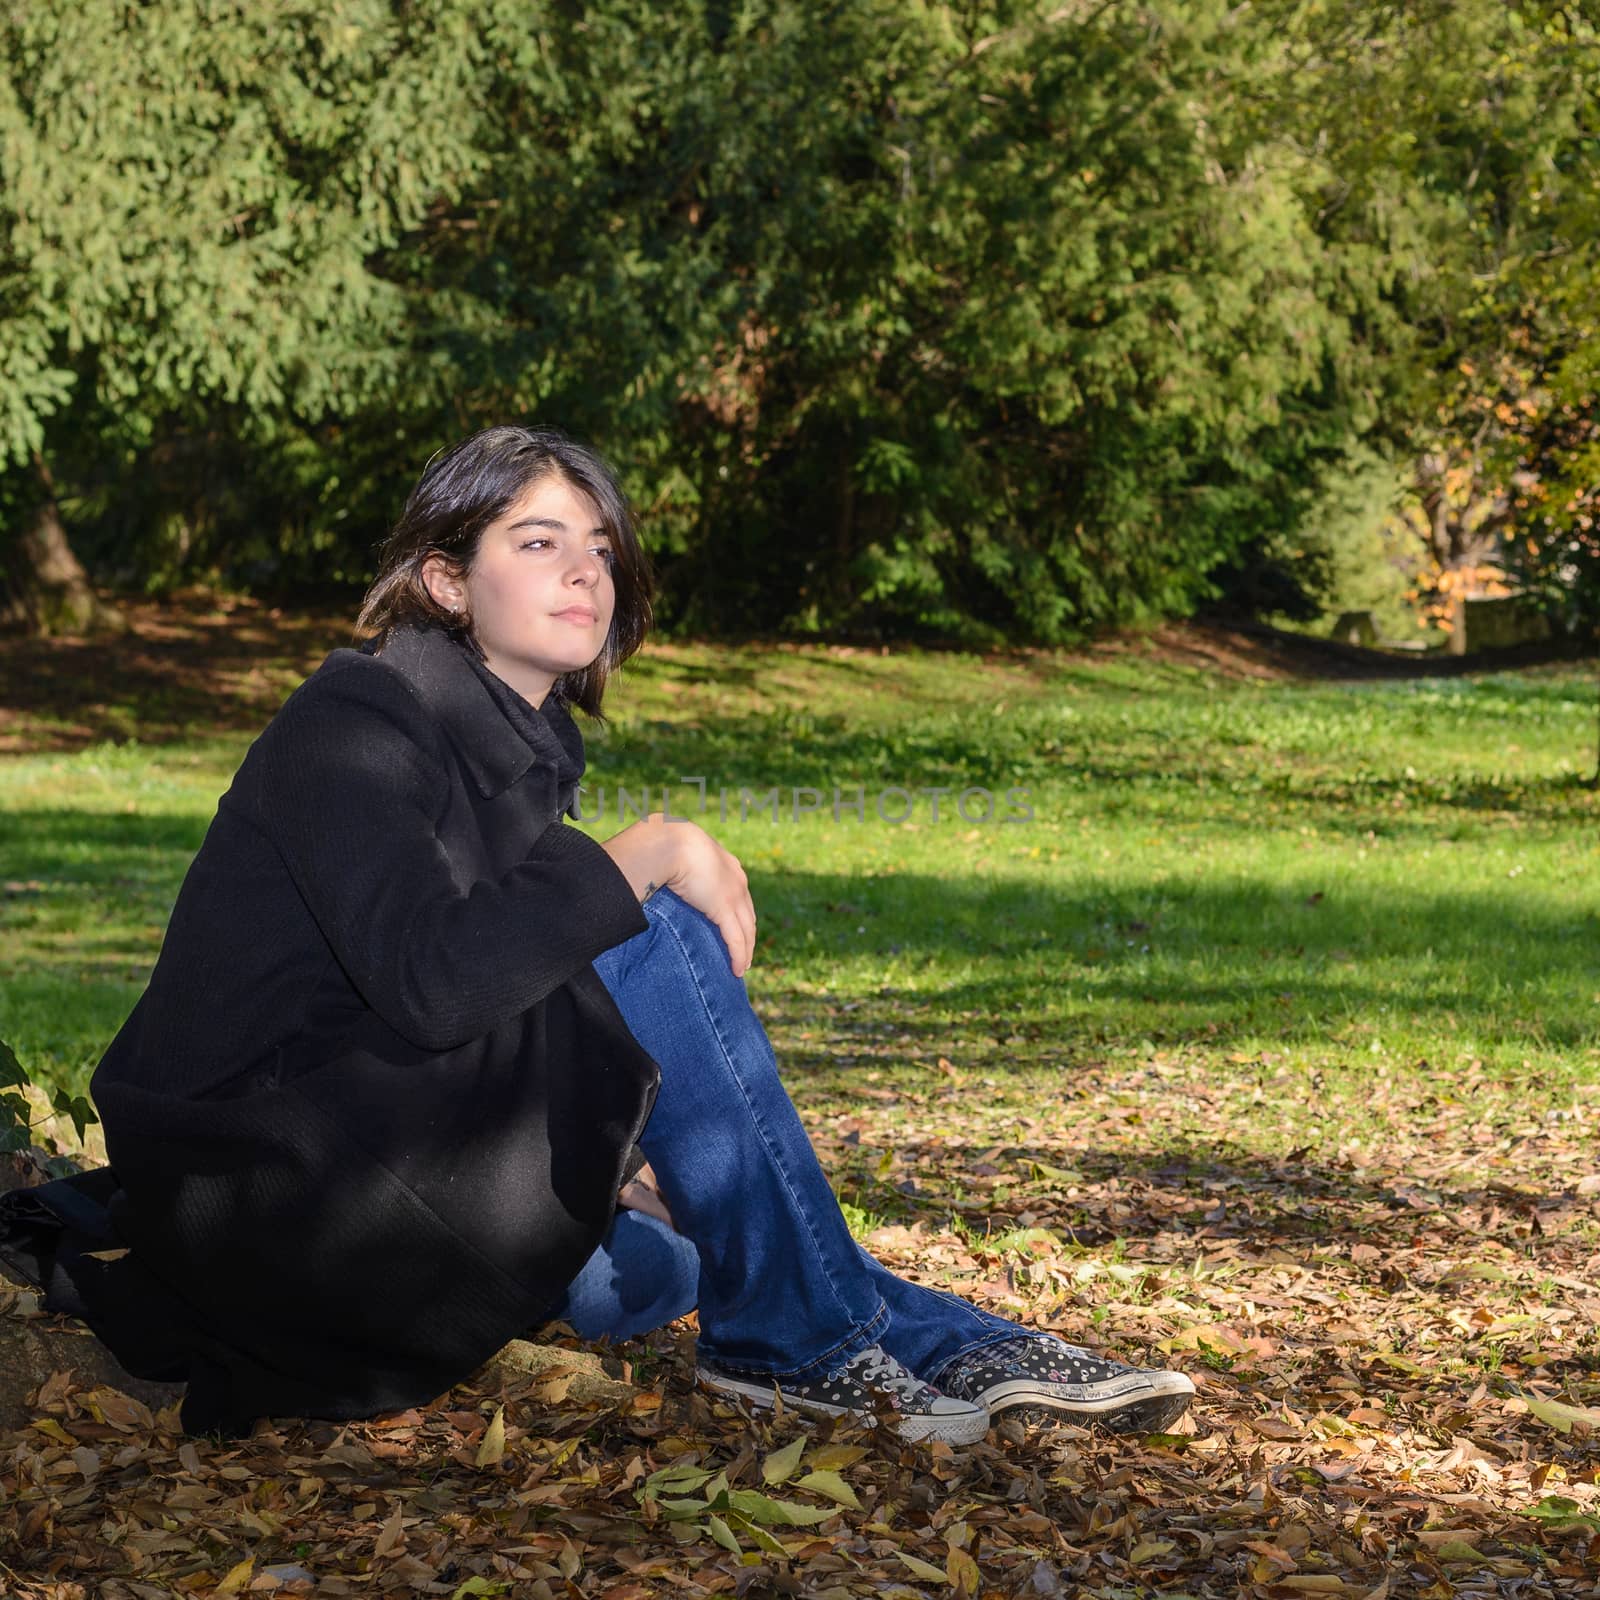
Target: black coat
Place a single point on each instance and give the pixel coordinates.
(372, 1113)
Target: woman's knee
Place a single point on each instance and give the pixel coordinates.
(676, 939)
(680, 997)
(686, 936)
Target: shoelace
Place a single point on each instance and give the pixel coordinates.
(880, 1368)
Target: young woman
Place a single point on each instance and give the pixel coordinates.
(421, 1067)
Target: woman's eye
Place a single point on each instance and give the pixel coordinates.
(534, 544)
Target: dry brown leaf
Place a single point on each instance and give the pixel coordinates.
(390, 1537)
(236, 1578)
(492, 1451)
(962, 1572)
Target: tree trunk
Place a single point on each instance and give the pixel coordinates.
(45, 588)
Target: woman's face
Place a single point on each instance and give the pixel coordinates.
(539, 591)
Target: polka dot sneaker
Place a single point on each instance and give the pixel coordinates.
(870, 1383)
(1041, 1379)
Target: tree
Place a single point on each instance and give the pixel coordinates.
(1004, 319)
(194, 197)
(1482, 187)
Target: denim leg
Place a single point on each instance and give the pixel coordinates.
(929, 1328)
(783, 1289)
(641, 1278)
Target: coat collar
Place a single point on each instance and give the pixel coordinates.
(499, 734)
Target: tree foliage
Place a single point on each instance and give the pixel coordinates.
(1001, 319)
(1494, 167)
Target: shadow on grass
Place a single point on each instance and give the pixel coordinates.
(95, 844)
(183, 669)
(1051, 963)
(1062, 966)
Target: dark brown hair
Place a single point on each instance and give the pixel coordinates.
(470, 485)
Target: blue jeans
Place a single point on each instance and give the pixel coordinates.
(761, 1249)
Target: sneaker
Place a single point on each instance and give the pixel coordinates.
(867, 1383)
(1046, 1380)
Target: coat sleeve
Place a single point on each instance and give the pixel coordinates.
(349, 784)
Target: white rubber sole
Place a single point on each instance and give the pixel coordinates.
(1141, 1402)
(964, 1426)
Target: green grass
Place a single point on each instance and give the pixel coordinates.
(1318, 887)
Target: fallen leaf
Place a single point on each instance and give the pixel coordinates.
(776, 1513)
(962, 1572)
(569, 1561)
(390, 1538)
(493, 1448)
(236, 1578)
(1149, 1550)
(832, 1485)
(1561, 1416)
(122, 1411)
(477, 1585)
(924, 1569)
(1560, 1512)
(781, 1465)
(1275, 1428)
(723, 1534)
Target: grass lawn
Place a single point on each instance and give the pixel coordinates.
(1269, 1043)
(1336, 883)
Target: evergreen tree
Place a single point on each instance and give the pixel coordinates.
(194, 198)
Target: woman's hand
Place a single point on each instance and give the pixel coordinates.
(675, 854)
(642, 1192)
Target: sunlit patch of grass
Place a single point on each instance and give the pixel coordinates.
(1313, 888)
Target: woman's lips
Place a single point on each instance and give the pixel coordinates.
(576, 614)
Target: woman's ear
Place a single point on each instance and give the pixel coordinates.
(443, 584)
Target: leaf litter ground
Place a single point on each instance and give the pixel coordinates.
(1394, 1347)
